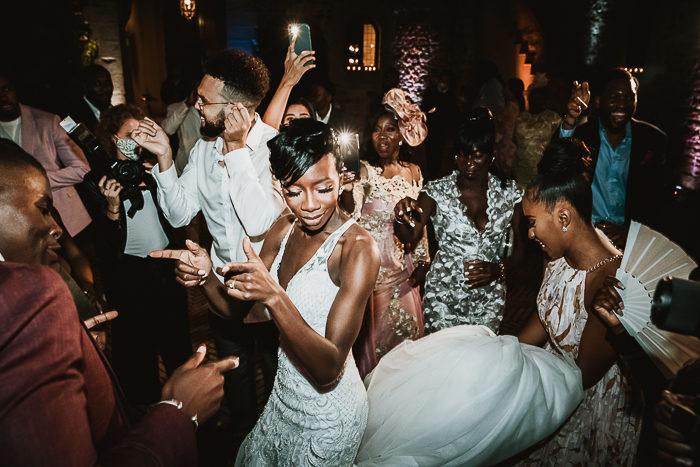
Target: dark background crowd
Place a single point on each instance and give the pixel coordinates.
(518, 58)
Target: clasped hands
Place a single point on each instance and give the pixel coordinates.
(248, 281)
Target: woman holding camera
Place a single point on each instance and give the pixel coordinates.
(129, 224)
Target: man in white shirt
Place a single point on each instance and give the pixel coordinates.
(229, 180)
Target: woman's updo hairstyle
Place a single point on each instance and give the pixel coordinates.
(477, 132)
(564, 174)
(299, 146)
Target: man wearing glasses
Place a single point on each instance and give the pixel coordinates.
(228, 178)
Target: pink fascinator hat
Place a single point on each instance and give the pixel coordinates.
(411, 118)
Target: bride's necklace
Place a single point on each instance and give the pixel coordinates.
(605, 261)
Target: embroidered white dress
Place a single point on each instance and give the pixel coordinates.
(448, 300)
(301, 426)
(604, 430)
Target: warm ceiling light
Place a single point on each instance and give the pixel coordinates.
(187, 8)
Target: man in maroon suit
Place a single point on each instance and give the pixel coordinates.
(60, 404)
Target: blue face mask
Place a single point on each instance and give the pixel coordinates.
(128, 147)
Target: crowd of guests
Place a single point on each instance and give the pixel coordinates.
(322, 273)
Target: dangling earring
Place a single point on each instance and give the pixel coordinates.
(400, 143)
(456, 156)
(563, 229)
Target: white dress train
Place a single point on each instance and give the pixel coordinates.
(465, 397)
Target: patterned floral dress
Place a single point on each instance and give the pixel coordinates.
(604, 430)
(448, 300)
(396, 312)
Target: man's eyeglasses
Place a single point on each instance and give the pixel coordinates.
(202, 104)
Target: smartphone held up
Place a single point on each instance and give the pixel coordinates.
(302, 34)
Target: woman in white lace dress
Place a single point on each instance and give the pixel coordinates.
(472, 211)
(395, 313)
(315, 273)
(605, 428)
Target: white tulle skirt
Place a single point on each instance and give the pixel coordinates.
(465, 397)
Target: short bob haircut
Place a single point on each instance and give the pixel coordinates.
(111, 121)
(563, 175)
(299, 146)
(246, 78)
(369, 153)
(476, 133)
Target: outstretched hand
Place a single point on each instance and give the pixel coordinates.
(296, 65)
(249, 281)
(608, 304)
(407, 211)
(151, 137)
(100, 336)
(199, 387)
(193, 266)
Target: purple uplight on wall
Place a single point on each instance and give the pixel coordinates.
(413, 48)
(690, 164)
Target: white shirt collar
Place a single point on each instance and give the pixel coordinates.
(327, 117)
(94, 109)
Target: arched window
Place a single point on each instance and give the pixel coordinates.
(361, 45)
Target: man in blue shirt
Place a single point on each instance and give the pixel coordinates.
(628, 155)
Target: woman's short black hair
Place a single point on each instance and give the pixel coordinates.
(369, 153)
(476, 133)
(563, 174)
(299, 146)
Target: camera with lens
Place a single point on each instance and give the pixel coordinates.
(126, 173)
(676, 308)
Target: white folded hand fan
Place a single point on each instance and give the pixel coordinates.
(648, 258)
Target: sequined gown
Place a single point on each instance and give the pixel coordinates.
(604, 430)
(300, 425)
(397, 314)
(448, 300)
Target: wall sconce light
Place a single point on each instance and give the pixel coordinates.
(187, 8)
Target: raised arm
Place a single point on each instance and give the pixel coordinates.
(322, 358)
(411, 216)
(294, 68)
(255, 194)
(177, 197)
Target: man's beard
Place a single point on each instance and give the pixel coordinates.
(10, 115)
(215, 128)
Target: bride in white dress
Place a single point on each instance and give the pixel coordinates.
(315, 273)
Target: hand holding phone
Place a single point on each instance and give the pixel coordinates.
(300, 34)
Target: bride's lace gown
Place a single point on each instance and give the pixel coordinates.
(301, 426)
(604, 430)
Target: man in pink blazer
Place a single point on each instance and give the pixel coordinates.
(40, 134)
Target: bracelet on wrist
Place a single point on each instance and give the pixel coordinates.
(421, 262)
(567, 116)
(502, 270)
(178, 405)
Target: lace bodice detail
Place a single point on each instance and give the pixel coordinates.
(448, 300)
(301, 424)
(375, 197)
